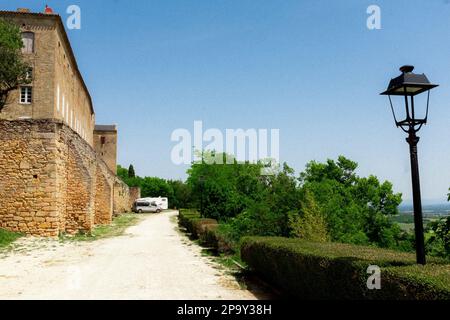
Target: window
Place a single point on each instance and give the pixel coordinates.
(103, 140)
(28, 42)
(143, 204)
(26, 95)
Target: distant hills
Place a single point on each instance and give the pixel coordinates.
(428, 209)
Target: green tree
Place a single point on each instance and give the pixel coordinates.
(131, 172)
(310, 223)
(439, 241)
(226, 190)
(182, 195)
(122, 173)
(152, 187)
(13, 70)
(356, 209)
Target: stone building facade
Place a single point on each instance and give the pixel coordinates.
(58, 171)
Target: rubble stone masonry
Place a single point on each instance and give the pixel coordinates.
(52, 181)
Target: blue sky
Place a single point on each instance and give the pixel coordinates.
(309, 68)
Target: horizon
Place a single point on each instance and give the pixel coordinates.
(312, 70)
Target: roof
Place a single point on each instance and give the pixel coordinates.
(105, 128)
(60, 24)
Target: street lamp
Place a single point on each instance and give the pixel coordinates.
(408, 85)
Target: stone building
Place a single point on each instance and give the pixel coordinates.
(58, 169)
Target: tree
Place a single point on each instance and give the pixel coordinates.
(152, 187)
(310, 223)
(226, 190)
(356, 209)
(439, 241)
(122, 173)
(182, 195)
(13, 70)
(131, 173)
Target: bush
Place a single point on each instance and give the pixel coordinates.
(186, 217)
(199, 226)
(209, 237)
(208, 231)
(215, 236)
(310, 270)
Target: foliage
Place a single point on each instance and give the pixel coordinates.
(225, 189)
(7, 237)
(328, 202)
(155, 187)
(178, 192)
(182, 194)
(357, 210)
(439, 240)
(131, 173)
(13, 69)
(310, 270)
(237, 195)
(208, 231)
(310, 223)
(122, 173)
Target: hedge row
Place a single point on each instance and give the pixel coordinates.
(206, 230)
(339, 271)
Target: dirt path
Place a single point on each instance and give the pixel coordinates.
(151, 261)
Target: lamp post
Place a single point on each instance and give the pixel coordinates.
(407, 86)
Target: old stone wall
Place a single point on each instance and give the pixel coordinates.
(104, 197)
(135, 193)
(52, 181)
(121, 197)
(28, 188)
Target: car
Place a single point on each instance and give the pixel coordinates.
(146, 207)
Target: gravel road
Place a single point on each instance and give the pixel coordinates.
(151, 261)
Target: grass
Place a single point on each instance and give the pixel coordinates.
(115, 229)
(7, 238)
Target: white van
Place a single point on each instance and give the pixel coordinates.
(163, 203)
(146, 207)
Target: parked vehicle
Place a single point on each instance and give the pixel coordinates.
(146, 207)
(162, 202)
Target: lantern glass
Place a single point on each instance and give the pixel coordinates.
(408, 86)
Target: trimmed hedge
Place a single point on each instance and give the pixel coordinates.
(185, 218)
(206, 230)
(194, 224)
(339, 271)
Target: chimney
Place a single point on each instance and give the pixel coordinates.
(23, 10)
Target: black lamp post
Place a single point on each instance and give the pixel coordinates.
(408, 85)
